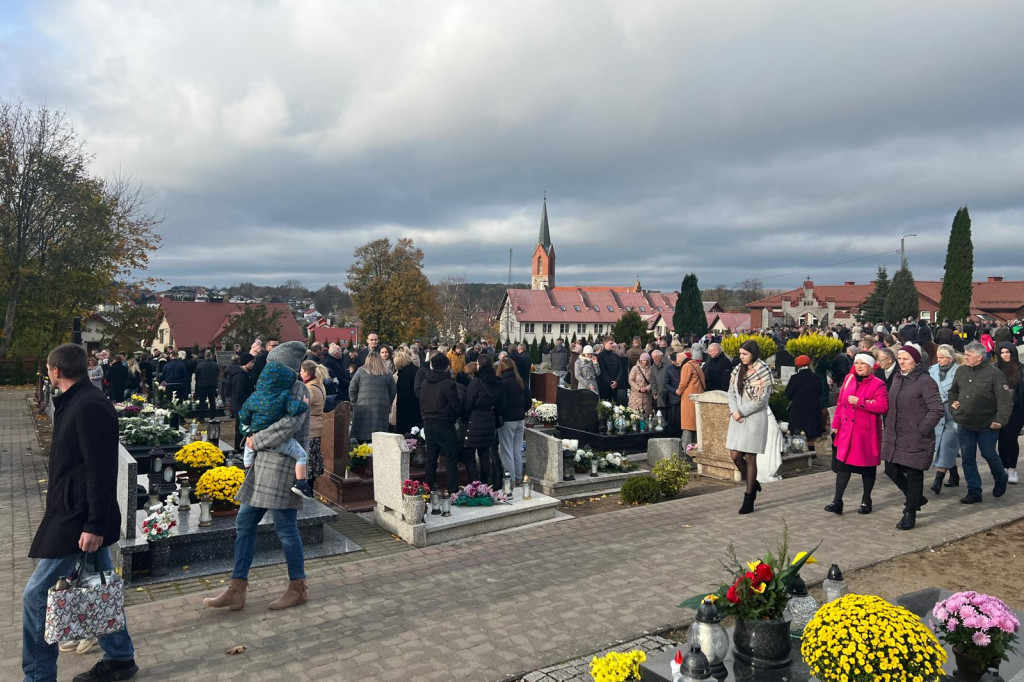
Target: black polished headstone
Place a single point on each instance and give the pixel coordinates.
(577, 409)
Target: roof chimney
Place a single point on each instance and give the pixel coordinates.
(995, 279)
(848, 284)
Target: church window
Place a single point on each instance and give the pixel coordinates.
(540, 262)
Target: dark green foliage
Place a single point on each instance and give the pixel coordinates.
(778, 403)
(18, 372)
(902, 301)
(255, 322)
(630, 325)
(689, 317)
(535, 351)
(873, 309)
(640, 490)
(543, 345)
(959, 271)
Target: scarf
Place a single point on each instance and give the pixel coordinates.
(757, 381)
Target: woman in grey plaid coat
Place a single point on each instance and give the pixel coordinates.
(372, 391)
(267, 486)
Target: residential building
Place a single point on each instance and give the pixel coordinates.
(185, 324)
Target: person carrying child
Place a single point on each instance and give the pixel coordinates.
(271, 402)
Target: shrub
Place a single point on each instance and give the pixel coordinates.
(731, 345)
(672, 475)
(778, 403)
(640, 490)
(815, 346)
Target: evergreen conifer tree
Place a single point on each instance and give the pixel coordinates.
(689, 317)
(902, 300)
(535, 351)
(873, 309)
(959, 271)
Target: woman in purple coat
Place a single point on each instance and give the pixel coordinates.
(909, 441)
(857, 431)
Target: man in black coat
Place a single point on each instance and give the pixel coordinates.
(441, 406)
(115, 379)
(207, 373)
(81, 513)
(524, 363)
(612, 379)
(717, 369)
(174, 376)
(242, 386)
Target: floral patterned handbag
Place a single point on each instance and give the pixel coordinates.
(84, 606)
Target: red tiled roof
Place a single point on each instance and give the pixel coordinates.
(204, 323)
(545, 305)
(734, 321)
(339, 335)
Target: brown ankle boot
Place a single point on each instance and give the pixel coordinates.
(233, 597)
(293, 596)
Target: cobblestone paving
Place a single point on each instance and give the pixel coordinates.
(491, 608)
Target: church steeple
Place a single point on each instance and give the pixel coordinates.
(542, 263)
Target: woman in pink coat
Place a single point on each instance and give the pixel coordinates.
(857, 431)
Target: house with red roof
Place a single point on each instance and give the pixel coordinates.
(343, 336)
(993, 300)
(185, 324)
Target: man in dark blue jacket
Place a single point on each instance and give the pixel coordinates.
(441, 406)
(175, 378)
(207, 375)
(81, 514)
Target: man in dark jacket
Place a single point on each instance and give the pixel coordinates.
(717, 369)
(524, 363)
(440, 407)
(559, 359)
(980, 401)
(174, 377)
(207, 373)
(115, 379)
(945, 334)
(612, 379)
(81, 514)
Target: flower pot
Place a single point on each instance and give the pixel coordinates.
(159, 557)
(763, 643)
(175, 420)
(414, 508)
(194, 475)
(223, 510)
(971, 669)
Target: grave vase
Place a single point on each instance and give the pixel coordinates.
(414, 508)
(972, 669)
(763, 644)
(159, 557)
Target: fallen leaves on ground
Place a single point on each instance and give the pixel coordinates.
(235, 650)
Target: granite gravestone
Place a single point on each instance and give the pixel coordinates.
(577, 409)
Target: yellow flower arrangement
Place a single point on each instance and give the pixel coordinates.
(731, 345)
(357, 455)
(815, 346)
(221, 484)
(616, 667)
(863, 638)
(200, 455)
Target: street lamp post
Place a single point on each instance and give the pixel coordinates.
(903, 258)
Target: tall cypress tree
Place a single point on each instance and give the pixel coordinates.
(873, 309)
(956, 284)
(689, 317)
(902, 300)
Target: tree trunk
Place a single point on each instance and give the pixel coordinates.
(12, 307)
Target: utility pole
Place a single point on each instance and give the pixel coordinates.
(903, 258)
(508, 302)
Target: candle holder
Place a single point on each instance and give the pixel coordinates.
(506, 484)
(213, 431)
(446, 504)
(205, 518)
(568, 465)
(184, 494)
(435, 502)
(593, 467)
(527, 488)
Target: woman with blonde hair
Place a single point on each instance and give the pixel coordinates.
(371, 391)
(134, 381)
(947, 441)
(313, 375)
(407, 405)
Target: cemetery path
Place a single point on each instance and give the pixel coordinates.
(486, 608)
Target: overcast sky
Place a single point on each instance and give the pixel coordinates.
(732, 139)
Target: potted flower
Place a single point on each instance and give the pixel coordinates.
(864, 637)
(980, 629)
(414, 495)
(156, 528)
(359, 458)
(617, 667)
(221, 484)
(197, 457)
(756, 595)
(417, 448)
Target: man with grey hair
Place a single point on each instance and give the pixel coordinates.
(980, 401)
(717, 369)
(658, 367)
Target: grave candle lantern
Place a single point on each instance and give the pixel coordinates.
(446, 504)
(213, 431)
(527, 488)
(205, 518)
(593, 467)
(709, 637)
(695, 666)
(435, 502)
(184, 494)
(568, 465)
(834, 586)
(801, 606)
(506, 484)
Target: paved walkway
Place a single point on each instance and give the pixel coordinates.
(482, 609)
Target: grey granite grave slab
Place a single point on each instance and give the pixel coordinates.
(127, 491)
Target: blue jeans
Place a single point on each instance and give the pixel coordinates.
(39, 659)
(290, 447)
(287, 528)
(970, 443)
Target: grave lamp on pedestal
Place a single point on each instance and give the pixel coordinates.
(568, 465)
(162, 471)
(709, 636)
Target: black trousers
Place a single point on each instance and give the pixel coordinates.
(1009, 447)
(490, 471)
(207, 398)
(910, 482)
(442, 439)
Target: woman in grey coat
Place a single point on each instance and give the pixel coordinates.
(371, 392)
(947, 443)
(750, 387)
(587, 370)
(908, 442)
